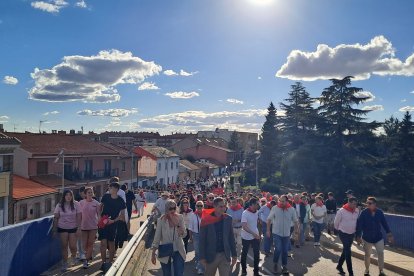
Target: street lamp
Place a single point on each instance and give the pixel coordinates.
(258, 154)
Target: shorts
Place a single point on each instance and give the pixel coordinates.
(108, 233)
(70, 231)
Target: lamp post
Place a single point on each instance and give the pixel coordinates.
(257, 152)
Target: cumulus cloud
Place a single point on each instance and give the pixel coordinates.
(112, 112)
(51, 6)
(376, 107)
(4, 119)
(234, 101)
(81, 4)
(182, 95)
(183, 73)
(10, 80)
(259, 78)
(407, 108)
(365, 94)
(51, 113)
(90, 78)
(361, 61)
(148, 86)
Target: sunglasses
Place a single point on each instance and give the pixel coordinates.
(211, 198)
(172, 208)
(199, 206)
(263, 201)
(370, 203)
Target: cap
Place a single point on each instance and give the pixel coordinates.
(165, 193)
(349, 192)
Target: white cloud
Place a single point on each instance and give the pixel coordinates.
(148, 86)
(234, 101)
(10, 80)
(182, 73)
(51, 113)
(361, 61)
(182, 95)
(53, 6)
(407, 108)
(403, 100)
(259, 78)
(90, 78)
(365, 94)
(376, 107)
(113, 112)
(412, 92)
(81, 4)
(170, 73)
(4, 119)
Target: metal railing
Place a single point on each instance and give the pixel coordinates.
(121, 262)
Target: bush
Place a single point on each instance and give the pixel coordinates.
(270, 187)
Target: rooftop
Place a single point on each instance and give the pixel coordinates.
(188, 165)
(159, 152)
(6, 140)
(25, 188)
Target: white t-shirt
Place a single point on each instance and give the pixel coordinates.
(318, 211)
(251, 219)
(160, 204)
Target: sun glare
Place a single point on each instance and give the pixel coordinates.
(262, 2)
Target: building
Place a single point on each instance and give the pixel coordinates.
(191, 142)
(189, 171)
(86, 162)
(220, 155)
(158, 163)
(248, 140)
(8, 145)
(32, 200)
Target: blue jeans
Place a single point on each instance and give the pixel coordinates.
(178, 264)
(281, 244)
(317, 230)
(267, 242)
(196, 244)
(302, 233)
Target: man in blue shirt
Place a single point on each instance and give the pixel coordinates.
(369, 232)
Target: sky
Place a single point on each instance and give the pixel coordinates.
(188, 65)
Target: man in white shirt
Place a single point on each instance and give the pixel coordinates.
(159, 205)
(250, 236)
(318, 210)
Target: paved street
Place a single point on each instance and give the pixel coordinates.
(307, 260)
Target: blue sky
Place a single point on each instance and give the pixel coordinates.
(215, 63)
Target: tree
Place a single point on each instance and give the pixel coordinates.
(269, 161)
(234, 144)
(344, 130)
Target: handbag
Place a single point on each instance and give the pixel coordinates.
(166, 250)
(103, 221)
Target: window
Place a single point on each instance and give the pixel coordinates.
(7, 164)
(88, 168)
(107, 166)
(159, 166)
(48, 205)
(166, 165)
(176, 165)
(36, 211)
(42, 167)
(123, 166)
(172, 165)
(23, 212)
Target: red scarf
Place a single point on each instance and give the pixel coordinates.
(208, 204)
(236, 208)
(348, 208)
(320, 203)
(208, 218)
(268, 205)
(198, 213)
(287, 206)
(250, 210)
(141, 194)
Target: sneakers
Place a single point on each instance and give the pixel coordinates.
(82, 256)
(200, 271)
(85, 264)
(340, 270)
(285, 270)
(381, 273)
(243, 273)
(73, 261)
(317, 244)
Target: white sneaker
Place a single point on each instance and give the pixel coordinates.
(82, 256)
(73, 261)
(200, 271)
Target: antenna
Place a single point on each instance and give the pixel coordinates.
(14, 127)
(40, 125)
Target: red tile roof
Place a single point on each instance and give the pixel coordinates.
(26, 188)
(51, 144)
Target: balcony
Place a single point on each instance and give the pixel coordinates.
(89, 175)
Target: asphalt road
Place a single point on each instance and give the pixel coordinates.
(307, 260)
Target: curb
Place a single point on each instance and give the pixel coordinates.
(389, 266)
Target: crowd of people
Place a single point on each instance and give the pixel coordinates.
(223, 227)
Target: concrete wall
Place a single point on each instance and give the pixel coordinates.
(164, 173)
(20, 162)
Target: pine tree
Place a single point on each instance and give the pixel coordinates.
(268, 162)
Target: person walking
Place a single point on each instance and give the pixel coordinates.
(318, 210)
(194, 227)
(330, 204)
(368, 232)
(209, 202)
(140, 202)
(263, 214)
(89, 223)
(129, 201)
(281, 218)
(303, 213)
(170, 230)
(217, 245)
(112, 212)
(67, 220)
(159, 205)
(345, 223)
(186, 212)
(235, 210)
(250, 236)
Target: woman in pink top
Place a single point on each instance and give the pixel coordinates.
(66, 223)
(89, 224)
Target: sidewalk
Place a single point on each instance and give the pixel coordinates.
(397, 260)
(96, 263)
